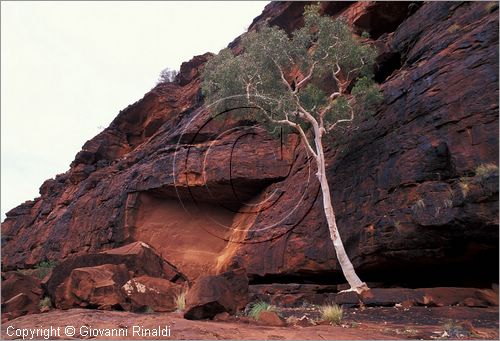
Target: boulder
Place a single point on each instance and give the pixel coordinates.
(93, 287)
(137, 257)
(238, 281)
(21, 295)
(155, 293)
(222, 317)
(271, 318)
(208, 297)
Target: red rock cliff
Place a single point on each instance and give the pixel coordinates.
(211, 194)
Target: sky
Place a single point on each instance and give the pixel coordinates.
(68, 68)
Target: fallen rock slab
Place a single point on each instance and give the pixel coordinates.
(21, 295)
(157, 294)
(238, 281)
(271, 318)
(138, 257)
(93, 287)
(209, 296)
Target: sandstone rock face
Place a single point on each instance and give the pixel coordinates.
(93, 287)
(21, 295)
(396, 181)
(149, 292)
(235, 197)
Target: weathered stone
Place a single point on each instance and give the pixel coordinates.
(271, 318)
(138, 257)
(222, 317)
(93, 287)
(238, 281)
(434, 297)
(208, 297)
(21, 295)
(149, 292)
(397, 186)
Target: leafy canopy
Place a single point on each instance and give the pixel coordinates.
(322, 69)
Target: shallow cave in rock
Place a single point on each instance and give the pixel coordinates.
(480, 271)
(387, 63)
(384, 17)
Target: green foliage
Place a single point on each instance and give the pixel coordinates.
(258, 307)
(43, 268)
(180, 301)
(325, 55)
(331, 313)
(45, 302)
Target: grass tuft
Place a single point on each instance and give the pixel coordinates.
(45, 302)
(180, 301)
(43, 268)
(486, 169)
(332, 313)
(258, 307)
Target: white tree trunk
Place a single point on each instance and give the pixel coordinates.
(347, 268)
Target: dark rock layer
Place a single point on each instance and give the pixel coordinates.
(397, 181)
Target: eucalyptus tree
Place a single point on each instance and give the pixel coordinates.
(315, 82)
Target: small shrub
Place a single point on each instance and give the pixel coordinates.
(43, 268)
(45, 302)
(258, 307)
(167, 76)
(485, 170)
(180, 301)
(332, 313)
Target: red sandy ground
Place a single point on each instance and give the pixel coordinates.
(372, 323)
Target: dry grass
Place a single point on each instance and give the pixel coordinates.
(486, 169)
(332, 313)
(180, 301)
(45, 302)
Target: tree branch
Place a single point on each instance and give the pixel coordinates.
(301, 132)
(331, 127)
(306, 78)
